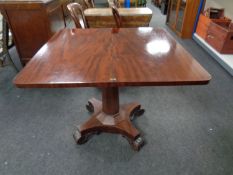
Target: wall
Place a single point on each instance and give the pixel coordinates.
(226, 4)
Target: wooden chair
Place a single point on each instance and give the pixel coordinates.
(76, 12)
(89, 3)
(116, 16)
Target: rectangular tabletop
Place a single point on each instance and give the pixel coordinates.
(108, 58)
(131, 17)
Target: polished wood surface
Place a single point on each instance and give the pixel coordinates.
(106, 58)
(114, 120)
(131, 17)
(110, 58)
(33, 22)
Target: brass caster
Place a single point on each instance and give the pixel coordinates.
(138, 143)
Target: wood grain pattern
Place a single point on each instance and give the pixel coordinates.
(107, 58)
(110, 100)
(110, 58)
(130, 17)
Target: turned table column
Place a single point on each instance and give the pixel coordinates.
(110, 100)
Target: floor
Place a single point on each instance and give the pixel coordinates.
(188, 129)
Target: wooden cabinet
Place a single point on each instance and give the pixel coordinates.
(220, 37)
(204, 24)
(33, 22)
(182, 15)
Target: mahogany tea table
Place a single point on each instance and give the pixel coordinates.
(109, 59)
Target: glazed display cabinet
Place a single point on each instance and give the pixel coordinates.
(182, 15)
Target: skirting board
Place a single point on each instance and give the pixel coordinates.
(224, 59)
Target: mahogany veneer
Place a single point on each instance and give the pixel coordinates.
(111, 58)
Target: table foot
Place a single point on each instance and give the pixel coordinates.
(137, 144)
(136, 112)
(93, 105)
(119, 123)
(82, 138)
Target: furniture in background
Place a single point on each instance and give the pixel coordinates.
(181, 16)
(130, 17)
(6, 43)
(112, 65)
(41, 18)
(76, 12)
(157, 2)
(83, 3)
(89, 3)
(225, 60)
(132, 3)
(116, 16)
(205, 21)
(220, 37)
(164, 6)
(216, 30)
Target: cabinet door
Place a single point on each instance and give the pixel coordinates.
(180, 15)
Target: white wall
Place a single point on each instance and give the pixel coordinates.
(226, 4)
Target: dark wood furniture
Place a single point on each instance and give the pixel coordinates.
(122, 57)
(131, 17)
(220, 37)
(182, 15)
(216, 30)
(205, 20)
(41, 18)
(76, 12)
